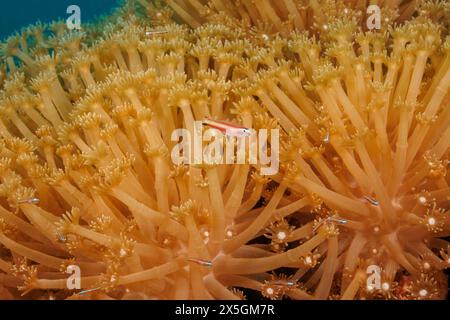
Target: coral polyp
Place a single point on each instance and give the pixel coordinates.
(359, 208)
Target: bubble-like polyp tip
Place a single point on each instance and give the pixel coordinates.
(30, 201)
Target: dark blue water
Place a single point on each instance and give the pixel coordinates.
(16, 14)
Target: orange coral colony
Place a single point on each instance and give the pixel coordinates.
(87, 179)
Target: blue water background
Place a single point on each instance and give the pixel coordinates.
(16, 14)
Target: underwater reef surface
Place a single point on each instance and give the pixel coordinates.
(94, 203)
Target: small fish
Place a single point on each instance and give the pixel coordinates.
(87, 291)
(326, 139)
(330, 219)
(372, 201)
(201, 262)
(29, 201)
(155, 32)
(228, 129)
(61, 237)
(338, 220)
(289, 283)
